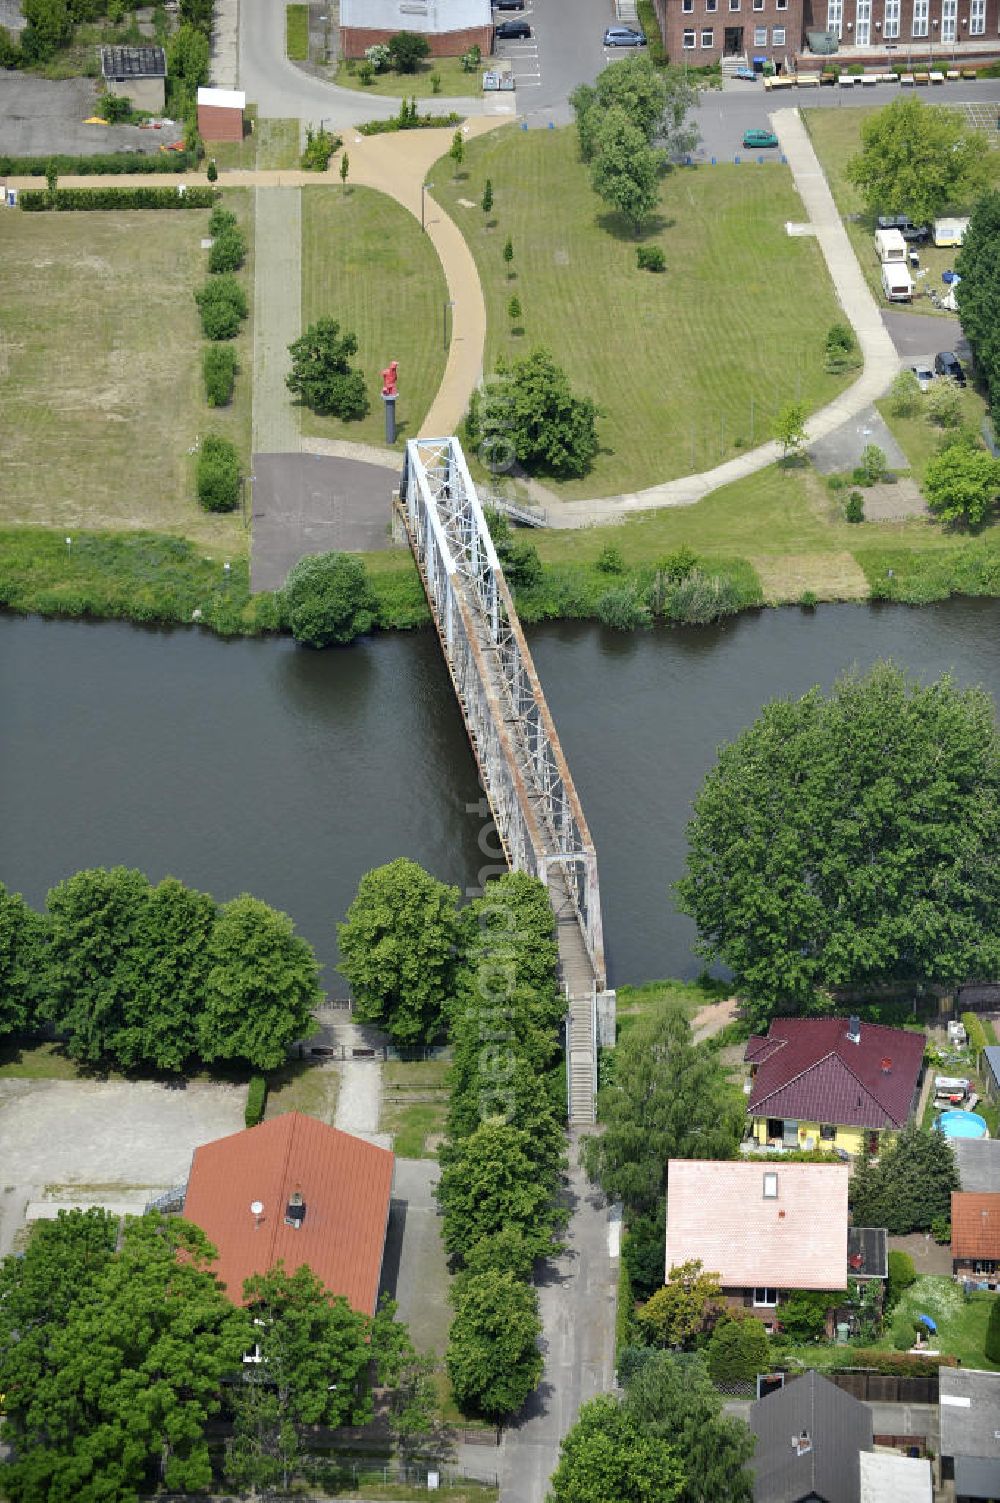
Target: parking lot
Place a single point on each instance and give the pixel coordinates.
(96, 1141)
(39, 116)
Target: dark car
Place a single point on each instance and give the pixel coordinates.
(947, 364)
(508, 4)
(905, 226)
(510, 31)
(624, 36)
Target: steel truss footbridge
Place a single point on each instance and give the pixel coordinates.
(525, 777)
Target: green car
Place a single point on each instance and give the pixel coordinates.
(759, 138)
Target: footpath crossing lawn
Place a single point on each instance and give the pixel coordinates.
(689, 366)
(366, 264)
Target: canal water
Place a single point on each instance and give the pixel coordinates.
(256, 766)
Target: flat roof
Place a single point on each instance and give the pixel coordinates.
(886, 1478)
(223, 99)
(429, 16)
(978, 1163)
(969, 1406)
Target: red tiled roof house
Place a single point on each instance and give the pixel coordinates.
(294, 1191)
(832, 1083)
(765, 1228)
(975, 1235)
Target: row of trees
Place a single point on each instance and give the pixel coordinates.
(152, 977)
(978, 293)
(419, 965)
(115, 1357)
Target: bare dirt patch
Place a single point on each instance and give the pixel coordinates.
(831, 576)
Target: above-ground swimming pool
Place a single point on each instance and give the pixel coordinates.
(962, 1125)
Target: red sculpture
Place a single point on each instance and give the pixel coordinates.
(389, 379)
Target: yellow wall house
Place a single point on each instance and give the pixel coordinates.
(833, 1083)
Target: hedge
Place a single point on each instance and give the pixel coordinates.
(218, 364)
(253, 1112)
(992, 1344)
(66, 199)
(902, 1364)
(109, 165)
(222, 303)
(218, 474)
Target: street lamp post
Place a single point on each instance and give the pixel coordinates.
(444, 324)
(423, 191)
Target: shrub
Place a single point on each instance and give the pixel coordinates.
(610, 560)
(902, 1334)
(522, 566)
(228, 251)
(699, 598)
(211, 171)
(220, 220)
(975, 1031)
(114, 108)
(470, 60)
(854, 507)
(941, 1229)
(944, 405)
(904, 395)
(320, 146)
(677, 565)
(841, 349)
(218, 474)
(435, 83)
(410, 122)
(737, 1351)
(379, 56)
(322, 376)
(328, 600)
(901, 1275)
(874, 464)
(253, 1112)
(898, 1362)
(623, 609)
(407, 49)
(650, 258)
(366, 73)
(222, 303)
(82, 199)
(218, 365)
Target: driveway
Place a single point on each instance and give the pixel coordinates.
(919, 336)
(305, 503)
(103, 1140)
(414, 1268)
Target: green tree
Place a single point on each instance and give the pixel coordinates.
(962, 485)
(97, 921)
(609, 1455)
(261, 987)
(905, 394)
(669, 1099)
(514, 311)
(159, 1025)
(407, 49)
(406, 1375)
(493, 1359)
(187, 58)
(992, 1341)
(23, 960)
(457, 150)
(672, 1398)
(910, 1185)
(321, 375)
(738, 1350)
(49, 27)
(314, 1355)
(488, 1182)
(551, 430)
(654, 102)
(790, 427)
(686, 1306)
(978, 292)
(625, 170)
(874, 463)
(218, 367)
(944, 404)
(508, 255)
(345, 167)
(918, 160)
(487, 204)
(223, 307)
(902, 1273)
(490, 1081)
(116, 1382)
(398, 949)
(218, 474)
(802, 1316)
(845, 839)
(328, 600)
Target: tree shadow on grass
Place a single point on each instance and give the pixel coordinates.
(620, 228)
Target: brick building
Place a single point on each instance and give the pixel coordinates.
(704, 31)
(220, 114)
(451, 27)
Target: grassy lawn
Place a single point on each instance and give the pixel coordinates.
(683, 364)
(366, 264)
(636, 1002)
(961, 1322)
(919, 438)
(271, 145)
(100, 374)
(836, 136)
(302, 1086)
(414, 1105)
(36, 1062)
(297, 32)
(455, 82)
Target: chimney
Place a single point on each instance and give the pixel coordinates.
(802, 1444)
(854, 1029)
(295, 1211)
(887, 1066)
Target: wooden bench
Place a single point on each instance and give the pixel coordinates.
(808, 81)
(937, 78)
(921, 78)
(906, 78)
(953, 73)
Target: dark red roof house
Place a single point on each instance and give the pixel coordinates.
(296, 1191)
(833, 1080)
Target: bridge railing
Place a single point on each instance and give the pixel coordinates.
(528, 783)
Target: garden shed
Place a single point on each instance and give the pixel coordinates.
(138, 73)
(220, 114)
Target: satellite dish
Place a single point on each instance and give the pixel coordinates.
(257, 1207)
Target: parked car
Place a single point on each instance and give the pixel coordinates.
(947, 364)
(759, 138)
(924, 375)
(904, 225)
(624, 36)
(508, 4)
(512, 31)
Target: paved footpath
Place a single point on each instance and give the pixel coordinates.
(277, 316)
